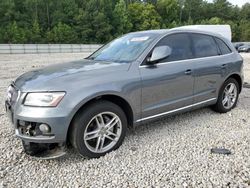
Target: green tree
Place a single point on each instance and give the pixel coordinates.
(92, 24)
(168, 10)
(223, 9)
(213, 21)
(245, 12)
(35, 36)
(143, 16)
(192, 10)
(244, 30)
(14, 34)
(98, 21)
(31, 9)
(83, 26)
(101, 28)
(61, 33)
(7, 12)
(236, 32)
(121, 23)
(65, 12)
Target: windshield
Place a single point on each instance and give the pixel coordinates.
(124, 49)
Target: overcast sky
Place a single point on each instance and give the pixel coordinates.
(236, 2)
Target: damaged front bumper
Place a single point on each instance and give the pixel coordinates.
(27, 123)
(44, 150)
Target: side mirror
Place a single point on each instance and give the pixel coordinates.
(159, 53)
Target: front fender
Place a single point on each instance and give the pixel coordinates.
(85, 100)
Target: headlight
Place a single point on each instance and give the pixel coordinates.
(46, 99)
(9, 93)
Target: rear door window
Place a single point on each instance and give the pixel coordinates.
(180, 45)
(222, 46)
(204, 46)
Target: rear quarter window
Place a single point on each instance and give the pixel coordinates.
(222, 46)
(204, 45)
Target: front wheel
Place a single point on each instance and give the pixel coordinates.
(98, 129)
(228, 96)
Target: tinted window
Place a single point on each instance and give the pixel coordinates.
(180, 45)
(223, 47)
(204, 45)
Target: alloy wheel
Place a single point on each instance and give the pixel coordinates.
(229, 96)
(102, 132)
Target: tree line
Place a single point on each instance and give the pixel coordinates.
(99, 21)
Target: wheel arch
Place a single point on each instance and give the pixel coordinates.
(238, 78)
(116, 99)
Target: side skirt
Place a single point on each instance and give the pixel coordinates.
(177, 110)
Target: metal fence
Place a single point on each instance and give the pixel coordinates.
(52, 48)
(47, 48)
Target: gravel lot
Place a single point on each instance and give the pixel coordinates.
(172, 152)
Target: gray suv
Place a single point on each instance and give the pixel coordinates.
(138, 77)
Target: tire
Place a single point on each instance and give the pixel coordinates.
(223, 108)
(91, 125)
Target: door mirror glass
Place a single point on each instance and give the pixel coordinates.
(159, 53)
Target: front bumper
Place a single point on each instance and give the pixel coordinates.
(47, 146)
(23, 116)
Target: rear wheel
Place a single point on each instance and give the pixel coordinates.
(98, 129)
(228, 96)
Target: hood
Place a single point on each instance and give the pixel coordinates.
(53, 77)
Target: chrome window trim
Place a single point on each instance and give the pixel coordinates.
(177, 61)
(175, 110)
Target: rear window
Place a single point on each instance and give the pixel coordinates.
(204, 45)
(222, 46)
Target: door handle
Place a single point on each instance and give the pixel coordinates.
(224, 66)
(188, 72)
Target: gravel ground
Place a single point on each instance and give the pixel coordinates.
(172, 152)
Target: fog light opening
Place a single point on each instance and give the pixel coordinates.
(44, 128)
